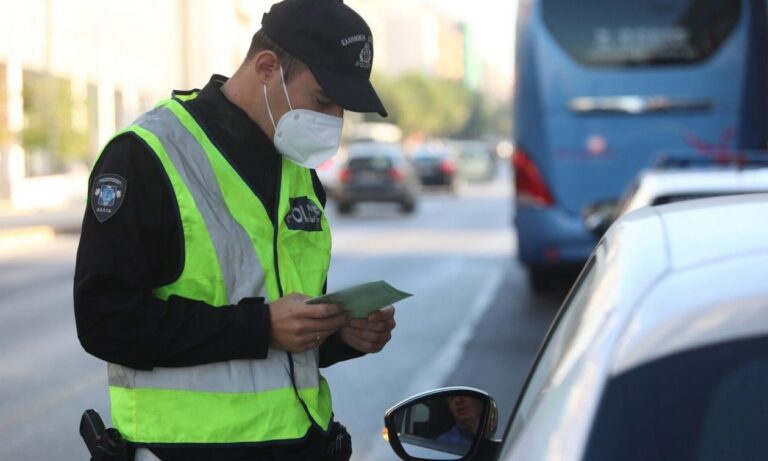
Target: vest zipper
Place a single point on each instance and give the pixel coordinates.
(276, 225)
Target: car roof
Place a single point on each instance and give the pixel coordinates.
(431, 149)
(654, 183)
(674, 249)
(717, 250)
(716, 228)
(374, 149)
(704, 180)
(668, 279)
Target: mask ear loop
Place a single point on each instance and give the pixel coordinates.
(266, 98)
(269, 109)
(285, 89)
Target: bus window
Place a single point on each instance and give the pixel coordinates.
(623, 33)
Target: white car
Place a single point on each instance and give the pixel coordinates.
(476, 160)
(660, 351)
(680, 179)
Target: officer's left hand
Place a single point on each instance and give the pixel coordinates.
(372, 333)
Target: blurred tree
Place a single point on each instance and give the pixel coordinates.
(48, 121)
(434, 107)
(479, 120)
(501, 119)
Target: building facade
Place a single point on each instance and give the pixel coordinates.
(73, 72)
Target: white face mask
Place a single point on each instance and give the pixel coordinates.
(306, 137)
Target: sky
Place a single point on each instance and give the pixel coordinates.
(492, 22)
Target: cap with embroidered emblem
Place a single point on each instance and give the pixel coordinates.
(335, 43)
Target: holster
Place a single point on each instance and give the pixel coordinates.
(339, 443)
(103, 444)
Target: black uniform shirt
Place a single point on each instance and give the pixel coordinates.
(140, 247)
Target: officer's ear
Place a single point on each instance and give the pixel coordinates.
(265, 64)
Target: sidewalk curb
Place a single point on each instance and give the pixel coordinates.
(25, 236)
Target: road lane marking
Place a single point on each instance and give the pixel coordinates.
(448, 359)
(445, 363)
(424, 242)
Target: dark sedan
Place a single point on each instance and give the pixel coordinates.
(377, 172)
(436, 167)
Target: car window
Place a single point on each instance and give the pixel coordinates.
(428, 154)
(558, 342)
(640, 33)
(374, 149)
(471, 149)
(370, 163)
(673, 198)
(708, 403)
(473, 154)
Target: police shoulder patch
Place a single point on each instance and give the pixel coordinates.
(107, 194)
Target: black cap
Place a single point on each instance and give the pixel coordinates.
(334, 42)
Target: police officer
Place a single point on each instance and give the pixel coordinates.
(204, 236)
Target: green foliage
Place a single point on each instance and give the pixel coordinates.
(48, 124)
(441, 108)
(500, 120)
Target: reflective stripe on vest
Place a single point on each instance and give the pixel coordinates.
(229, 255)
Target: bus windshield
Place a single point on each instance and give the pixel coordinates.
(622, 33)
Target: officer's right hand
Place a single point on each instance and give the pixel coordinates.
(298, 326)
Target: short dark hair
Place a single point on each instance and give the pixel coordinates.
(290, 63)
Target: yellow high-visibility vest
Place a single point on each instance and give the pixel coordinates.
(232, 250)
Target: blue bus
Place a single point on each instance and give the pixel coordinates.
(604, 85)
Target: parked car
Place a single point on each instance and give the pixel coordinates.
(476, 160)
(376, 172)
(683, 177)
(436, 166)
(660, 351)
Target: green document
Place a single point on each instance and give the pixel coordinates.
(363, 299)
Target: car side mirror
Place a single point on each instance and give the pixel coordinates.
(599, 216)
(453, 423)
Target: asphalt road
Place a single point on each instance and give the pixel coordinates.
(471, 322)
